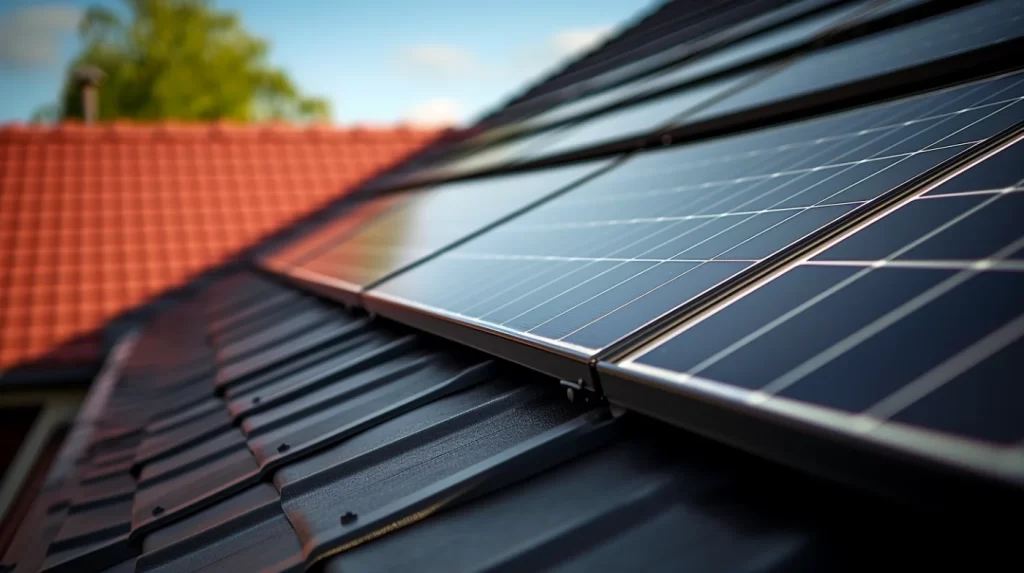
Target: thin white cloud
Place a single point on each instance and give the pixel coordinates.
(436, 112)
(573, 41)
(437, 60)
(30, 36)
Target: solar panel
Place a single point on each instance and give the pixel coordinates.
(771, 41)
(637, 120)
(419, 223)
(652, 234)
(908, 331)
(702, 81)
(751, 19)
(640, 119)
(658, 33)
(962, 30)
(966, 29)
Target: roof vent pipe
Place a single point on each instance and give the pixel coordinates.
(88, 78)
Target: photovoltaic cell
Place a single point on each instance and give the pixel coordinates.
(590, 266)
(908, 330)
(417, 224)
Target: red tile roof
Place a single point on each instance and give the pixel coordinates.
(95, 220)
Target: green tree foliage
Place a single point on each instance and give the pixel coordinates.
(182, 59)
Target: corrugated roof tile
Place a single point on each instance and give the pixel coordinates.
(219, 448)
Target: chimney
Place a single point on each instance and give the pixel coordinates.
(88, 78)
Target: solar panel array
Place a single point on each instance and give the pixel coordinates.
(909, 330)
(594, 264)
(787, 36)
(808, 22)
(673, 31)
(968, 28)
(682, 264)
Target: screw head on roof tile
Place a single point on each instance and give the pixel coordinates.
(349, 518)
(255, 399)
(158, 510)
(283, 448)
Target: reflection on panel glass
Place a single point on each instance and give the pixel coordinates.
(594, 264)
(310, 244)
(909, 330)
(782, 38)
(640, 119)
(419, 223)
(969, 28)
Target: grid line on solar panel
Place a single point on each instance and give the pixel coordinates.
(416, 224)
(597, 263)
(921, 353)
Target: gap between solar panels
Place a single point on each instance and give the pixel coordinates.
(941, 425)
(701, 120)
(879, 206)
(779, 92)
(489, 146)
(342, 261)
(691, 49)
(467, 291)
(566, 281)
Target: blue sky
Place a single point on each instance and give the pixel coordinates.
(377, 61)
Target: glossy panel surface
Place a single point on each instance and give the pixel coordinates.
(743, 51)
(421, 223)
(652, 234)
(907, 331)
(969, 28)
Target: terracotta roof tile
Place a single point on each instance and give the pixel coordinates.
(95, 220)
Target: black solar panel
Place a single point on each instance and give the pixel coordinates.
(641, 119)
(969, 28)
(731, 80)
(594, 264)
(771, 41)
(417, 224)
(874, 55)
(908, 331)
(663, 37)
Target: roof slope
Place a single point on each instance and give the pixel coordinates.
(258, 427)
(342, 431)
(95, 220)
